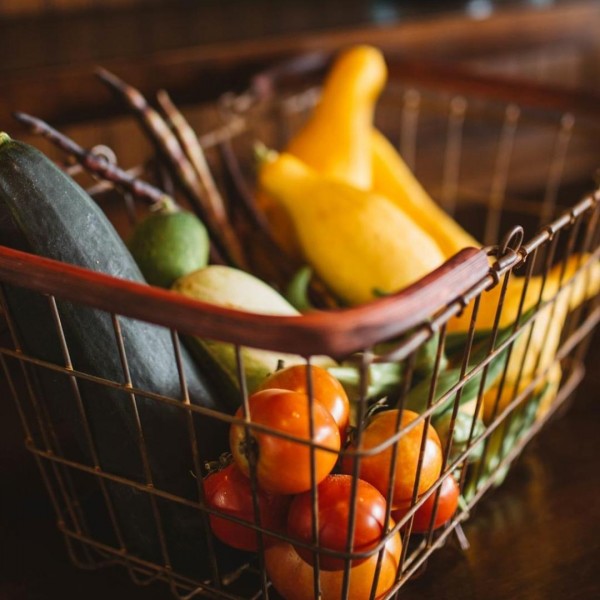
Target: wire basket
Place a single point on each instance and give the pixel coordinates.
(502, 159)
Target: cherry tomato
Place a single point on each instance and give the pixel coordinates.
(293, 578)
(326, 389)
(447, 505)
(334, 501)
(230, 492)
(375, 468)
(283, 466)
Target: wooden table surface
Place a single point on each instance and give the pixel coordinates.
(537, 537)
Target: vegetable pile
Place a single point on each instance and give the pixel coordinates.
(269, 482)
(321, 470)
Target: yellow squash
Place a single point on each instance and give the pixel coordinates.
(335, 139)
(585, 286)
(535, 349)
(552, 385)
(358, 242)
(393, 178)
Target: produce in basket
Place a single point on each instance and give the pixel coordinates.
(340, 141)
(233, 288)
(294, 578)
(229, 492)
(283, 464)
(360, 243)
(43, 211)
(325, 387)
(334, 503)
(411, 473)
(169, 243)
(438, 508)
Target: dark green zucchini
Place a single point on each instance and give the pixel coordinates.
(44, 212)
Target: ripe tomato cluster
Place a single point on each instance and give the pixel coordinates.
(279, 452)
(323, 510)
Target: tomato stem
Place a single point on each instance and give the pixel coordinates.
(223, 461)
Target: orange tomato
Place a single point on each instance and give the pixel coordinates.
(326, 389)
(375, 468)
(293, 578)
(283, 466)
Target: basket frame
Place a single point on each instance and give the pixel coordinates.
(423, 309)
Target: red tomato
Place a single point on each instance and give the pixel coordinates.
(326, 389)
(375, 468)
(293, 578)
(230, 492)
(283, 466)
(334, 501)
(447, 505)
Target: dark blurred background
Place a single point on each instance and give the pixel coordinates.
(198, 49)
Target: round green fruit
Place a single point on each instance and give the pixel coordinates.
(169, 244)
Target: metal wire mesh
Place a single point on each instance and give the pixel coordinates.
(158, 528)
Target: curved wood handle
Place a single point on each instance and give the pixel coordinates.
(335, 333)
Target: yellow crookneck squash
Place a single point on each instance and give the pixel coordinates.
(535, 349)
(584, 282)
(339, 140)
(393, 178)
(359, 243)
(334, 141)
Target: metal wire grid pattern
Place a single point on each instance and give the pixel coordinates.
(575, 231)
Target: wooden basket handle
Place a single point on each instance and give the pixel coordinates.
(335, 333)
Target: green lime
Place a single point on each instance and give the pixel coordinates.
(169, 244)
